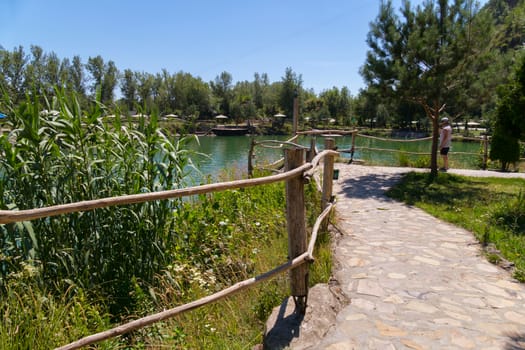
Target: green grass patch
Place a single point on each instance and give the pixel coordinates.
(492, 208)
(66, 277)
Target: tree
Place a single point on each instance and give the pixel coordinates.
(95, 66)
(291, 86)
(12, 65)
(260, 83)
(428, 56)
(192, 95)
(128, 87)
(222, 90)
(35, 70)
(77, 76)
(104, 77)
(109, 82)
(510, 119)
(52, 73)
(339, 103)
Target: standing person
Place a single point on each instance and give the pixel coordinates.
(445, 138)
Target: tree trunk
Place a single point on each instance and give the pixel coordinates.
(433, 115)
(435, 141)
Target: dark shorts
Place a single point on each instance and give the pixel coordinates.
(444, 151)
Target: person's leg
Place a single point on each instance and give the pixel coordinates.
(444, 155)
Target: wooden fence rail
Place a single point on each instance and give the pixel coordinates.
(9, 216)
(485, 140)
(300, 251)
(296, 173)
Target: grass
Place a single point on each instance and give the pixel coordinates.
(252, 233)
(74, 275)
(238, 321)
(492, 208)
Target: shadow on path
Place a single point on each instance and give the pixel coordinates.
(516, 341)
(285, 330)
(370, 186)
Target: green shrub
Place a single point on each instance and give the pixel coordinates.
(510, 215)
(504, 148)
(78, 155)
(35, 319)
(136, 259)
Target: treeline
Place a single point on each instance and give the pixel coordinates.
(36, 72)
(440, 55)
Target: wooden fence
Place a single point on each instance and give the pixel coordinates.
(485, 140)
(300, 251)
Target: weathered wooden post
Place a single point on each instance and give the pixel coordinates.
(296, 224)
(250, 158)
(295, 111)
(328, 175)
(485, 151)
(311, 153)
(352, 150)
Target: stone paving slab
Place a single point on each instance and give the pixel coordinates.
(411, 280)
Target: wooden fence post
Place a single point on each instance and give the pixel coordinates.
(295, 112)
(485, 151)
(328, 175)
(250, 158)
(352, 150)
(311, 153)
(296, 224)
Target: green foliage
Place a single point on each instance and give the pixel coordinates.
(510, 215)
(291, 84)
(428, 55)
(76, 155)
(34, 319)
(405, 160)
(219, 231)
(510, 124)
(504, 148)
(136, 259)
(491, 208)
(270, 298)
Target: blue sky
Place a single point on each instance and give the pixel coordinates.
(322, 41)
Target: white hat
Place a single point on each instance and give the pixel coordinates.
(444, 120)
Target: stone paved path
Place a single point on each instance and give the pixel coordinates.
(411, 280)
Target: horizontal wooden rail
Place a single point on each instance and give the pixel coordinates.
(389, 150)
(326, 132)
(148, 320)
(394, 140)
(279, 143)
(9, 216)
(277, 163)
(401, 151)
(315, 229)
(317, 159)
(238, 287)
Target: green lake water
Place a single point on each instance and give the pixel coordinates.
(230, 153)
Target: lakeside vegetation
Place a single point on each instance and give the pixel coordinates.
(67, 277)
(492, 208)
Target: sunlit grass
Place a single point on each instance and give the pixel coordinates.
(92, 271)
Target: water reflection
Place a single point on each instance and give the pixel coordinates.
(227, 153)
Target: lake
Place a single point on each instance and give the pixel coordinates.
(226, 153)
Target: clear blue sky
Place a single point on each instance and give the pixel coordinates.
(322, 41)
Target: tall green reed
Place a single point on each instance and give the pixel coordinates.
(76, 155)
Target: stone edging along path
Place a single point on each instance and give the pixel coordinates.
(402, 280)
